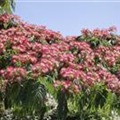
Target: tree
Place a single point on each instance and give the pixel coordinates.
(7, 6)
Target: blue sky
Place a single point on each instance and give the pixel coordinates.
(69, 17)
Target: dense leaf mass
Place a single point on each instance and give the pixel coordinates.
(28, 52)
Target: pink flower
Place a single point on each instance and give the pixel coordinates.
(66, 84)
(86, 32)
(112, 29)
(14, 74)
(57, 83)
(2, 48)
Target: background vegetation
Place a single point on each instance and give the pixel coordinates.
(44, 75)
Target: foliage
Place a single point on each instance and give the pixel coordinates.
(26, 98)
(81, 73)
(62, 108)
(96, 103)
(7, 6)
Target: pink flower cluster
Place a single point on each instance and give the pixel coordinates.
(24, 59)
(40, 51)
(104, 33)
(5, 18)
(67, 86)
(110, 55)
(14, 74)
(2, 48)
(112, 82)
(43, 67)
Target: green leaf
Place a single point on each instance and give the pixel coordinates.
(62, 108)
(48, 83)
(26, 98)
(7, 6)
